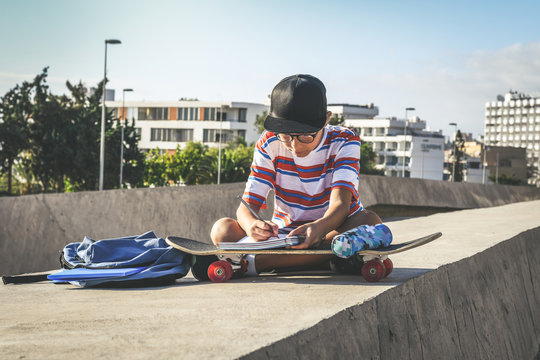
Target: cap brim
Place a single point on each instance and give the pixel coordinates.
(280, 125)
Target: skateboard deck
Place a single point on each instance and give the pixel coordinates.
(206, 263)
(195, 247)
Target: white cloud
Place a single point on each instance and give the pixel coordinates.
(453, 90)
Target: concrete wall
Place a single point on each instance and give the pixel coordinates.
(482, 307)
(34, 228)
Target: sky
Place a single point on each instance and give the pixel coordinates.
(444, 58)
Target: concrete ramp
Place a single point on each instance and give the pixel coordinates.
(474, 293)
(482, 307)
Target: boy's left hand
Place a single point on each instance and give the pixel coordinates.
(313, 232)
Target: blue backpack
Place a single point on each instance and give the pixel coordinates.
(131, 261)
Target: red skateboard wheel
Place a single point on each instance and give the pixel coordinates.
(388, 266)
(220, 271)
(373, 270)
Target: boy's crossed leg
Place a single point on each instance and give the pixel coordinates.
(229, 230)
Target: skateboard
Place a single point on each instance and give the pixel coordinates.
(212, 263)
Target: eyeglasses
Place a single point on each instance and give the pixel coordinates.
(303, 138)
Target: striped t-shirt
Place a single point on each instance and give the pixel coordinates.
(302, 185)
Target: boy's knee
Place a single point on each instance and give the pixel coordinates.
(370, 218)
(222, 230)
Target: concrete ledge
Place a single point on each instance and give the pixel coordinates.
(485, 306)
(37, 227)
(473, 293)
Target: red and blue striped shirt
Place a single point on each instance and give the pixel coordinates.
(302, 185)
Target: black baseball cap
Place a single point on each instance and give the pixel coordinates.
(297, 105)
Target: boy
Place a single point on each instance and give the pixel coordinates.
(313, 169)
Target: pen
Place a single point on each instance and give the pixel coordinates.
(300, 237)
(250, 209)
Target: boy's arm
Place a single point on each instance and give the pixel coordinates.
(257, 229)
(338, 210)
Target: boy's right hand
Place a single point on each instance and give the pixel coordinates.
(262, 230)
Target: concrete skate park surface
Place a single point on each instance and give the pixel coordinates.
(474, 293)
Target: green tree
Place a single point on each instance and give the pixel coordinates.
(60, 139)
(133, 157)
(155, 169)
(197, 164)
(15, 112)
(367, 161)
(50, 134)
(505, 180)
(336, 119)
(259, 122)
(235, 163)
(85, 114)
(193, 164)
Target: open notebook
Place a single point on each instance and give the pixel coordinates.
(247, 243)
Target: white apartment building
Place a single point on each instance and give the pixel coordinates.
(404, 148)
(167, 124)
(350, 111)
(514, 120)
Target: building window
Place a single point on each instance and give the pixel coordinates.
(188, 113)
(242, 115)
(209, 135)
(153, 113)
(221, 115)
(391, 161)
(212, 135)
(209, 113)
(173, 135)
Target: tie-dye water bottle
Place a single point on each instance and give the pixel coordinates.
(360, 238)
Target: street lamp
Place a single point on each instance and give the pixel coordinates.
(221, 107)
(455, 154)
(122, 137)
(102, 141)
(405, 141)
(219, 145)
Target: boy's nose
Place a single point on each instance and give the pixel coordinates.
(295, 143)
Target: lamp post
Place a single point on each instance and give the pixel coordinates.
(219, 149)
(102, 140)
(455, 154)
(122, 131)
(221, 107)
(405, 141)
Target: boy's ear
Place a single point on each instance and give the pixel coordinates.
(328, 115)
